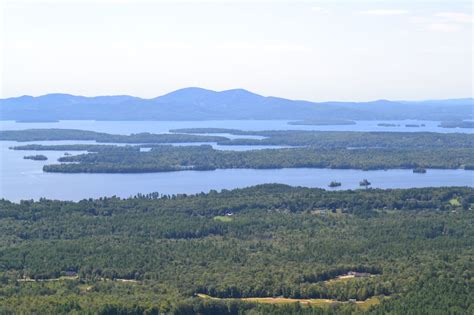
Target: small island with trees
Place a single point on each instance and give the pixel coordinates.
(419, 170)
(365, 183)
(415, 125)
(387, 125)
(334, 184)
(37, 157)
(457, 124)
(340, 122)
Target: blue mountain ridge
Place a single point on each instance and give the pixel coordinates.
(195, 103)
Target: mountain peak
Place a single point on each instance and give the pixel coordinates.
(195, 95)
(239, 93)
(186, 92)
(381, 102)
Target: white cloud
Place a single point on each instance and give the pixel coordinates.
(319, 10)
(446, 22)
(456, 17)
(262, 47)
(384, 12)
(420, 20)
(443, 27)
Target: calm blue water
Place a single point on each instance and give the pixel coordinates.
(127, 127)
(24, 179)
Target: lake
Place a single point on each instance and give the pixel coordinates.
(24, 179)
(127, 127)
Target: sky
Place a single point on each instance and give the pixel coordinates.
(312, 50)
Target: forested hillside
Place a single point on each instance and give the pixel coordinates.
(154, 253)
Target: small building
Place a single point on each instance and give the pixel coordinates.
(358, 274)
(362, 274)
(70, 274)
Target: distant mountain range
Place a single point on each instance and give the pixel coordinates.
(202, 104)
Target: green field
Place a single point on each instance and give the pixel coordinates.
(223, 218)
(362, 305)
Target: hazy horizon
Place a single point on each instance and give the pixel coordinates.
(252, 92)
(309, 50)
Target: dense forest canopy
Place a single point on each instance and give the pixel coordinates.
(341, 139)
(171, 158)
(320, 139)
(155, 252)
(75, 134)
(307, 149)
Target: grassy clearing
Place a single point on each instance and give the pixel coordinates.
(223, 218)
(49, 280)
(454, 202)
(363, 305)
(343, 278)
(315, 302)
(84, 288)
(272, 300)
